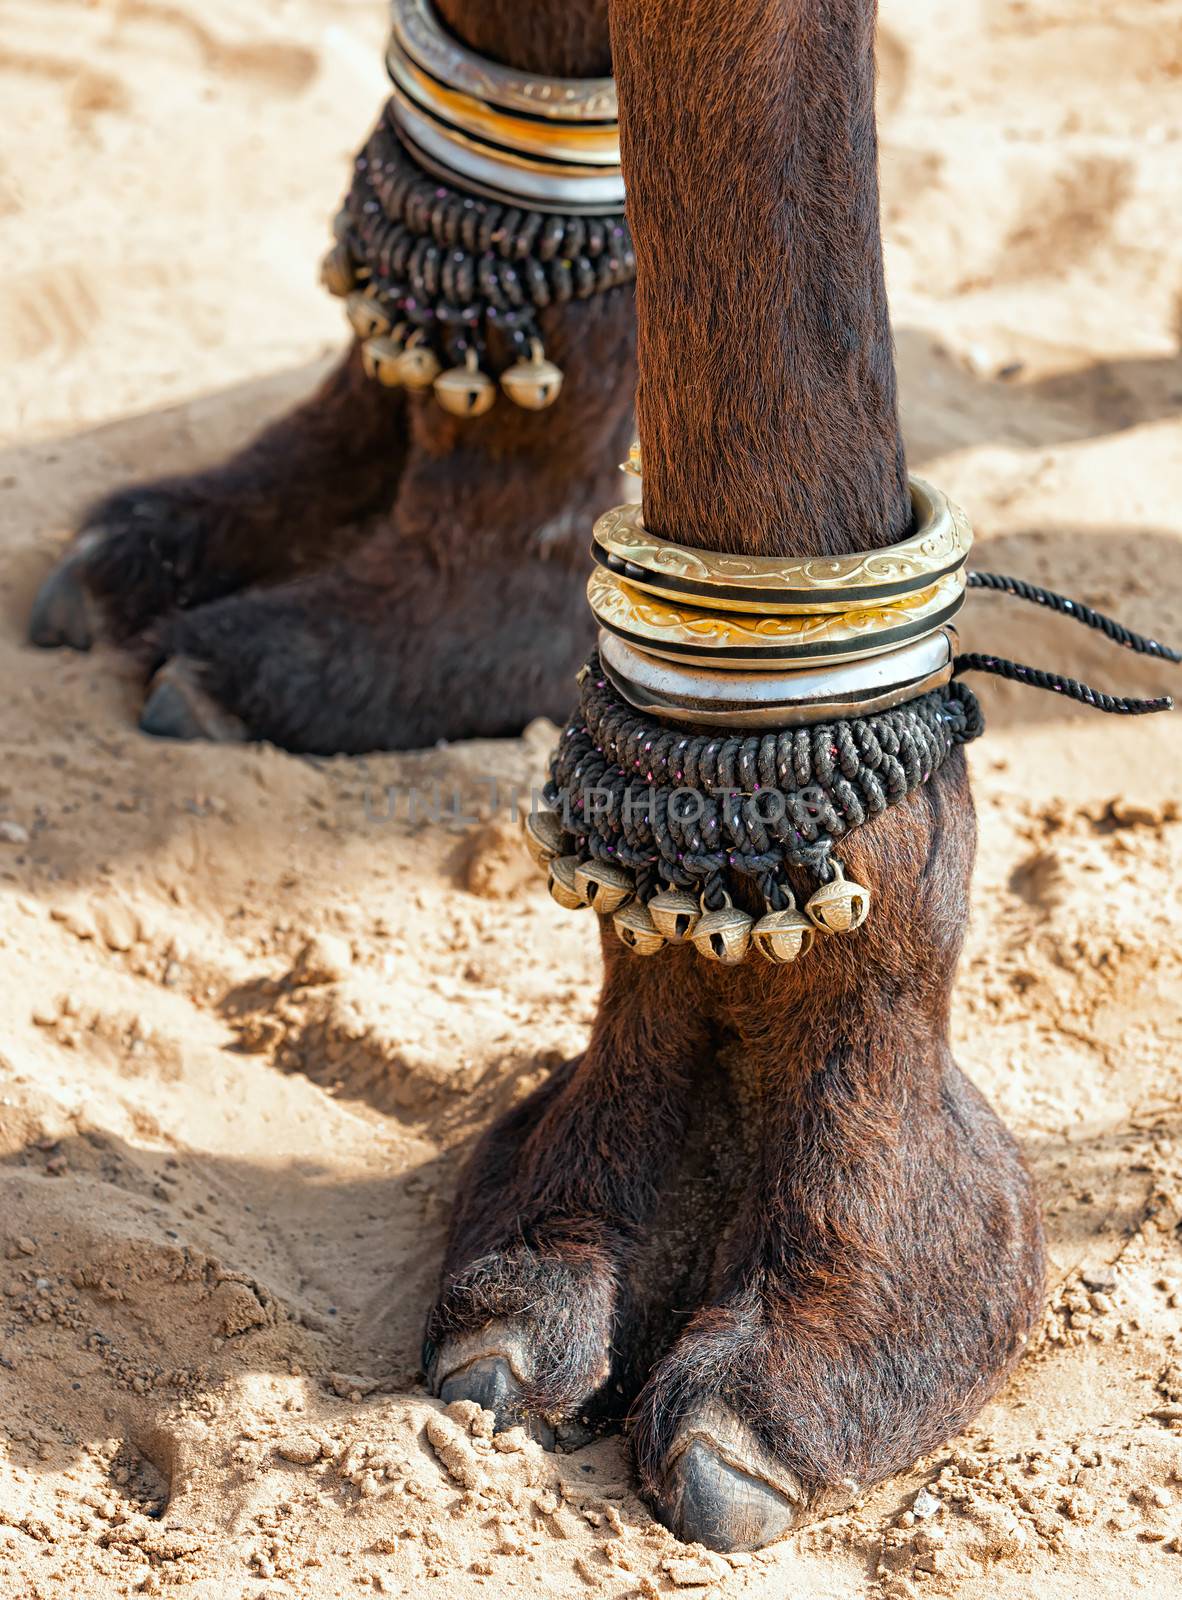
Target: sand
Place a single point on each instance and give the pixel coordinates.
(226, 1158)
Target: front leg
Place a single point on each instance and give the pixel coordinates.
(556, 1287)
(884, 1268)
(874, 1294)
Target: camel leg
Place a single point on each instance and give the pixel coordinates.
(282, 503)
(555, 1281)
(372, 573)
(882, 1269)
(874, 1266)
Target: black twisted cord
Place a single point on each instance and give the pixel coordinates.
(700, 811)
(1019, 589)
(1037, 678)
(1057, 682)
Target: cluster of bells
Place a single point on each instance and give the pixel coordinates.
(399, 359)
(673, 915)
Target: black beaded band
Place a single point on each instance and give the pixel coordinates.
(699, 812)
(455, 266)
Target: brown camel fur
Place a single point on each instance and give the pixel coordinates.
(764, 1219)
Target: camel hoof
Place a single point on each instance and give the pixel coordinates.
(718, 1492)
(64, 613)
(490, 1381)
(178, 708)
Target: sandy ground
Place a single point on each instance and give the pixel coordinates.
(226, 1160)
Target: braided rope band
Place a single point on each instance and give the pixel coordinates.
(663, 825)
(433, 275)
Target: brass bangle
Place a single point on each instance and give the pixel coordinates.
(732, 639)
(783, 584)
(703, 697)
(592, 145)
(422, 37)
(540, 184)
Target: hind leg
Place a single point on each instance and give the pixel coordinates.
(461, 610)
(470, 532)
(273, 509)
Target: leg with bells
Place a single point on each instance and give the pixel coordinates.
(371, 572)
(873, 1264)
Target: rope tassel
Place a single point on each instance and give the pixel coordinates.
(1056, 682)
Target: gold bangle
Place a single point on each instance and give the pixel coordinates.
(787, 584)
(520, 163)
(422, 36)
(522, 180)
(556, 141)
(728, 639)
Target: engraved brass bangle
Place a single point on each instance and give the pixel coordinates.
(420, 34)
(584, 143)
(735, 639)
(785, 585)
(707, 698)
(516, 179)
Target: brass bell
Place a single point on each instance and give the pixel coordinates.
(675, 914)
(367, 317)
(781, 936)
(381, 359)
(544, 836)
(561, 883)
(534, 384)
(637, 930)
(338, 273)
(604, 886)
(465, 391)
(418, 365)
(841, 905)
(723, 935)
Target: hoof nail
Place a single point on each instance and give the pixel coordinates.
(709, 1499)
(63, 614)
(178, 708)
(490, 1381)
(573, 1435)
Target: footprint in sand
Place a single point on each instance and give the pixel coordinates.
(53, 308)
(275, 64)
(1066, 216)
(894, 71)
(279, 67)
